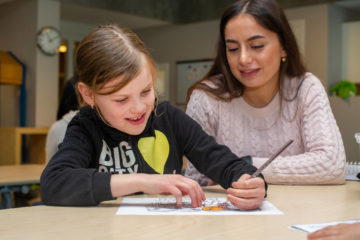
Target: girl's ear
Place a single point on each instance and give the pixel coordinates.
(283, 53)
(86, 93)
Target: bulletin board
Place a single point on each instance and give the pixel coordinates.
(189, 72)
(162, 82)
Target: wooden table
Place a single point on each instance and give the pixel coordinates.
(13, 177)
(300, 205)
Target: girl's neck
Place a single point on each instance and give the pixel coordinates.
(261, 97)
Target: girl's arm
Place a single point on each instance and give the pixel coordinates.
(204, 113)
(70, 177)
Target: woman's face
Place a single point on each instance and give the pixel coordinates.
(129, 108)
(253, 52)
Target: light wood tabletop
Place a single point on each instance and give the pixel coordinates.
(11, 175)
(300, 205)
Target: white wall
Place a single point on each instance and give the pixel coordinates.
(19, 23)
(351, 51)
(47, 68)
(174, 43)
(316, 37)
(347, 115)
(17, 26)
(73, 32)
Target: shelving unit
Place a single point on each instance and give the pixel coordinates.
(11, 145)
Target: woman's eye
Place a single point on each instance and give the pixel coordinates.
(232, 49)
(257, 46)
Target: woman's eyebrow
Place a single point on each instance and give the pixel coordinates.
(231, 41)
(248, 40)
(254, 37)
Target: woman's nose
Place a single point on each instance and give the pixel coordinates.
(245, 57)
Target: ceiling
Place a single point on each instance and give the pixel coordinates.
(146, 13)
(137, 14)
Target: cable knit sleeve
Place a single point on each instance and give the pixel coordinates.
(323, 161)
(202, 109)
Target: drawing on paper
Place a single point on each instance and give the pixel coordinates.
(211, 204)
(167, 206)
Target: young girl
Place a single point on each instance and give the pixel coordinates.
(258, 95)
(123, 142)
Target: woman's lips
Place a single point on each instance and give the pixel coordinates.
(250, 73)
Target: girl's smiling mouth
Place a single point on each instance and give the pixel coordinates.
(137, 120)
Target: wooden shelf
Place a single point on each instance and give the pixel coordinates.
(11, 144)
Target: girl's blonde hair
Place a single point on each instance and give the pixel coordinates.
(108, 52)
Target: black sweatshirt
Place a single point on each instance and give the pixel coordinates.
(79, 173)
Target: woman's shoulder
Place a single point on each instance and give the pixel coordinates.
(305, 84)
(69, 116)
(202, 101)
(208, 94)
(311, 80)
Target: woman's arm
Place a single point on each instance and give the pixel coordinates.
(323, 160)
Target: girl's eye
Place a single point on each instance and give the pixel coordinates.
(146, 91)
(122, 100)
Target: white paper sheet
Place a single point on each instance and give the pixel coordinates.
(309, 228)
(352, 169)
(167, 206)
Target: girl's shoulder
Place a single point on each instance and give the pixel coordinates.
(166, 108)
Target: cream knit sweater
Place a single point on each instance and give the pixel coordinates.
(315, 157)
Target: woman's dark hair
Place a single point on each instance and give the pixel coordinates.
(69, 99)
(269, 15)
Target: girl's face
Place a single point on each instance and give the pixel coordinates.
(129, 108)
(253, 52)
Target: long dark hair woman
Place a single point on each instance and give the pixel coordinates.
(257, 96)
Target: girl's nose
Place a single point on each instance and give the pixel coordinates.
(138, 107)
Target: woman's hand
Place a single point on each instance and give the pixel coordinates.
(340, 232)
(247, 193)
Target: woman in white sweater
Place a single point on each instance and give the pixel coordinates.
(258, 95)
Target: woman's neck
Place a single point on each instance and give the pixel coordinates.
(262, 96)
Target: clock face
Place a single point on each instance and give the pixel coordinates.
(49, 40)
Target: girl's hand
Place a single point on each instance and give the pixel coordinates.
(176, 185)
(247, 193)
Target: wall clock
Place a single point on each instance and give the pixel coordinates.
(48, 40)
